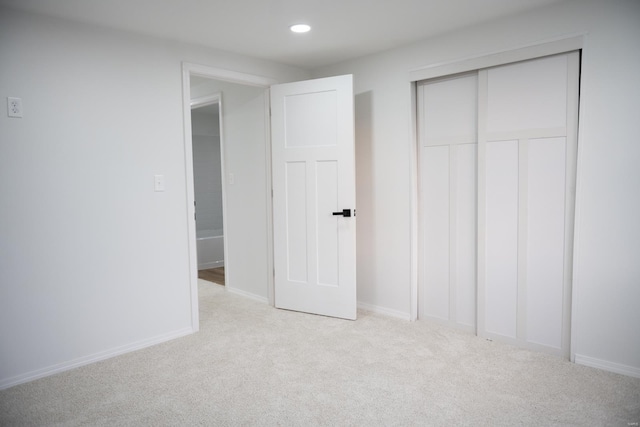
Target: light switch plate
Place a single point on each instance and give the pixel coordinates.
(158, 181)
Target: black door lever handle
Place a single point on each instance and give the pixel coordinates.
(345, 213)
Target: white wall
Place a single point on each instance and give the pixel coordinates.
(607, 253)
(205, 129)
(244, 135)
(93, 262)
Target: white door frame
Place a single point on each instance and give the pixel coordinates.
(522, 53)
(188, 70)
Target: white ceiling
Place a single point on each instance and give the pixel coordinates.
(342, 29)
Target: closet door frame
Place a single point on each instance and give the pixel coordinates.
(522, 53)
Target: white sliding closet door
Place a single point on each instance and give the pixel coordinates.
(526, 168)
(447, 153)
(497, 160)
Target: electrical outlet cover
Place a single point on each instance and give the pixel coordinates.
(14, 107)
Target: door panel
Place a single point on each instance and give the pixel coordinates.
(313, 165)
(449, 110)
(447, 152)
(296, 224)
(435, 193)
(465, 239)
(501, 289)
(524, 193)
(528, 95)
(310, 119)
(327, 233)
(545, 240)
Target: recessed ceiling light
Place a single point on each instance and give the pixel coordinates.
(300, 28)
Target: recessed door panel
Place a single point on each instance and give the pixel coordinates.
(449, 110)
(527, 95)
(296, 230)
(501, 286)
(435, 196)
(545, 240)
(465, 233)
(310, 119)
(327, 232)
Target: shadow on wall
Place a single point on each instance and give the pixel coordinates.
(365, 245)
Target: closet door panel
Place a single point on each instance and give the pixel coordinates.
(527, 128)
(465, 239)
(447, 129)
(501, 250)
(528, 95)
(435, 203)
(450, 110)
(545, 240)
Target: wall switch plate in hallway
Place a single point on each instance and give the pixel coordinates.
(158, 182)
(14, 107)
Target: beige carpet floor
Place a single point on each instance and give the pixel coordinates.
(253, 365)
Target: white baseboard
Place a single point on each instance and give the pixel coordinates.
(471, 329)
(618, 368)
(212, 264)
(383, 310)
(96, 357)
(248, 295)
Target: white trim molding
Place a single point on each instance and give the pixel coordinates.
(247, 295)
(96, 357)
(415, 200)
(618, 368)
(228, 75)
(492, 59)
(384, 311)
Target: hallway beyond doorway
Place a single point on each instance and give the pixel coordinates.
(215, 275)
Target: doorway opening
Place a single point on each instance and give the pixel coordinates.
(244, 176)
(207, 178)
(246, 173)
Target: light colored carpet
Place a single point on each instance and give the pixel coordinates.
(251, 364)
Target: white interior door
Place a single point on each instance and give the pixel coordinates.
(313, 167)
